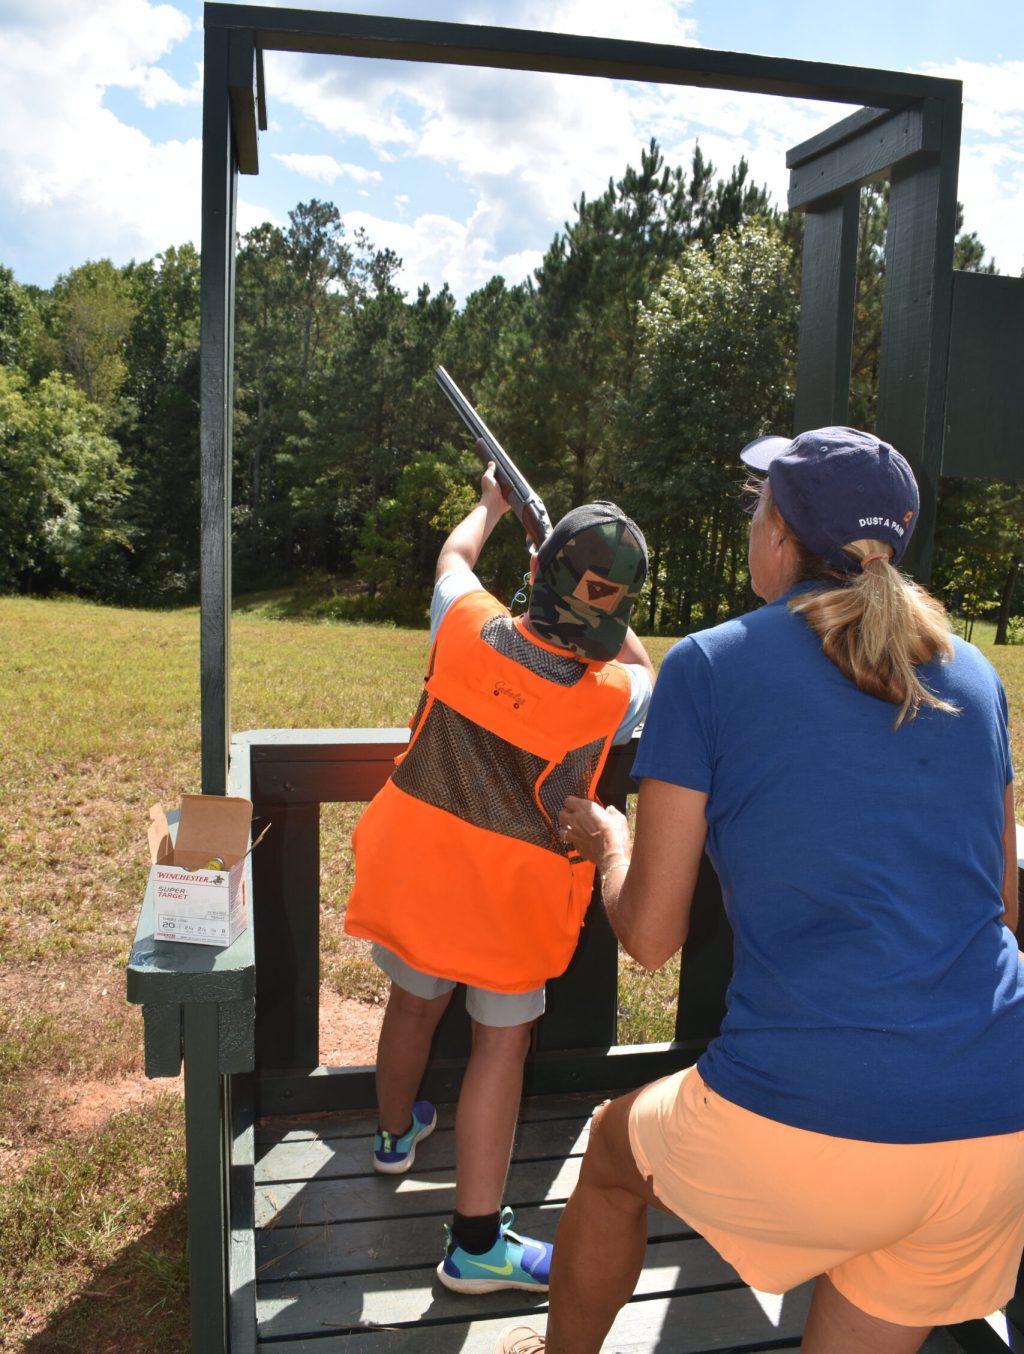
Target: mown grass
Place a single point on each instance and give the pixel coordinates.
(101, 720)
(93, 1239)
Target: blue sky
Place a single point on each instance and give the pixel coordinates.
(464, 173)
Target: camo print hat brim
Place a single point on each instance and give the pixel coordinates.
(589, 573)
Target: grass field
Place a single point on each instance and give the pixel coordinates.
(100, 720)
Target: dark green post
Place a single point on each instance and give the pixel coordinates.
(217, 288)
(917, 148)
(206, 1147)
(207, 1180)
(917, 313)
(828, 289)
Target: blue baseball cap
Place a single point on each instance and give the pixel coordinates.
(837, 485)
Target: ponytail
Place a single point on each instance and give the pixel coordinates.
(877, 626)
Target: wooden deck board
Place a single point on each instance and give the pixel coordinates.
(364, 1247)
(332, 1158)
(358, 1124)
(730, 1321)
(410, 1295)
(345, 1258)
(315, 1202)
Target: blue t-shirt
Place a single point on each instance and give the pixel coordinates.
(875, 993)
(451, 586)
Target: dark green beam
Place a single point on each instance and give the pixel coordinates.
(844, 130)
(293, 30)
(868, 156)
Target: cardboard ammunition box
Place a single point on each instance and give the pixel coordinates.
(194, 902)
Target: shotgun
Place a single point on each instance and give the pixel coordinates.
(527, 505)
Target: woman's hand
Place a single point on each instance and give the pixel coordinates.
(646, 891)
(598, 834)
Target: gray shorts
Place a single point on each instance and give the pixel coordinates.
(502, 1009)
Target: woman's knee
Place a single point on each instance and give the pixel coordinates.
(609, 1162)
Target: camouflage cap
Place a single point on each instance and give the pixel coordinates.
(589, 573)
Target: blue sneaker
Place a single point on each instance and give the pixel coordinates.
(394, 1155)
(512, 1262)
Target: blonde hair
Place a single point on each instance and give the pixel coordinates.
(878, 626)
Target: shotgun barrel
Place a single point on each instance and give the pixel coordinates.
(527, 505)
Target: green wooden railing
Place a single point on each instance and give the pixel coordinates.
(244, 1021)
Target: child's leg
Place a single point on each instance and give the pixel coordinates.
(402, 1052)
(484, 1253)
(485, 1121)
(416, 1003)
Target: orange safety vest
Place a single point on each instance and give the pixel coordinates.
(460, 869)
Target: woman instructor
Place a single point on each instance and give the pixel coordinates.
(846, 761)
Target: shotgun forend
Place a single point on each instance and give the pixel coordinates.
(527, 505)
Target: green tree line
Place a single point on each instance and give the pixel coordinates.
(655, 338)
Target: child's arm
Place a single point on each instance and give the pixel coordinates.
(462, 548)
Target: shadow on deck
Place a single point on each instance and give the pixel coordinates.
(346, 1257)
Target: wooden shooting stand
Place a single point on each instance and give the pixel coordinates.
(293, 1244)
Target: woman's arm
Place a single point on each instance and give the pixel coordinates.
(646, 885)
(1009, 860)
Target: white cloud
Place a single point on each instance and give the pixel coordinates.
(991, 188)
(521, 147)
(340, 95)
(479, 167)
(993, 95)
(659, 21)
(476, 118)
(249, 213)
(155, 87)
(105, 43)
(71, 168)
(326, 169)
(437, 249)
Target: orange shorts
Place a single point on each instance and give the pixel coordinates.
(918, 1234)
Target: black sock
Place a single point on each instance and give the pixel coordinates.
(397, 1135)
(475, 1233)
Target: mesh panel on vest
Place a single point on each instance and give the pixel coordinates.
(572, 776)
(501, 634)
(464, 769)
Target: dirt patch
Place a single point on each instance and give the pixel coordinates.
(348, 1030)
(93, 1102)
(71, 1099)
(77, 1109)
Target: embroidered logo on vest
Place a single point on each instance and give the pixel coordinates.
(509, 693)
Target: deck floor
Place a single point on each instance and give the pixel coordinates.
(346, 1258)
